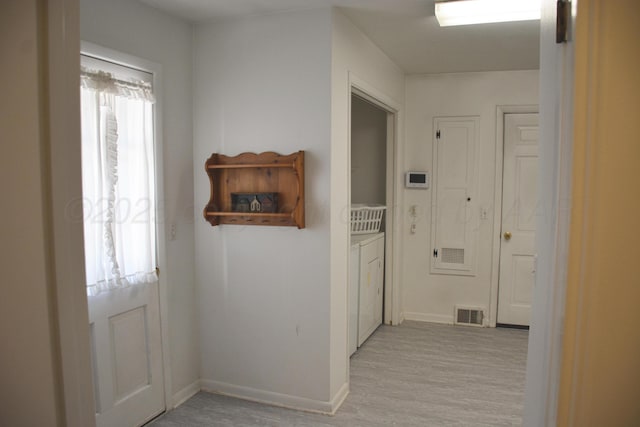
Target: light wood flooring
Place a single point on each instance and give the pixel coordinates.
(415, 374)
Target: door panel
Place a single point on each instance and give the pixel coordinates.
(454, 229)
(129, 340)
(519, 208)
(526, 177)
(522, 268)
(127, 355)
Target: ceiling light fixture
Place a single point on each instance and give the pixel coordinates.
(467, 12)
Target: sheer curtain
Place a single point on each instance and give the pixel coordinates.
(118, 182)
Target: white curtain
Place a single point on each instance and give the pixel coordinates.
(118, 182)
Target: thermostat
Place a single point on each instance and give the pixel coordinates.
(416, 180)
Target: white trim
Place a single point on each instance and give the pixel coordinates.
(340, 397)
(429, 317)
(130, 61)
(276, 399)
(65, 249)
(120, 72)
(185, 394)
(501, 110)
(162, 243)
(119, 58)
(544, 357)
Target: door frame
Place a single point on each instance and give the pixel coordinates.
(359, 87)
(60, 33)
(501, 111)
(131, 61)
(69, 298)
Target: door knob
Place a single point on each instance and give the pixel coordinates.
(507, 235)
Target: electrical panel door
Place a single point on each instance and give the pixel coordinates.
(454, 223)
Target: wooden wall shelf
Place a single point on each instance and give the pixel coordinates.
(267, 172)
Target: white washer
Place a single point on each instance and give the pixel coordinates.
(365, 287)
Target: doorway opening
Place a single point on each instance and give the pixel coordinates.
(372, 298)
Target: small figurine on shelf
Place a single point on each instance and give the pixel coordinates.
(255, 205)
(254, 202)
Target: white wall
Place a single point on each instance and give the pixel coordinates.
(281, 338)
(263, 84)
(368, 152)
(28, 360)
(431, 297)
(353, 56)
(132, 28)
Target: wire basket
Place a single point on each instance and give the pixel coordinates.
(366, 219)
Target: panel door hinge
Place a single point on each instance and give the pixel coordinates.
(435, 253)
(563, 20)
(437, 134)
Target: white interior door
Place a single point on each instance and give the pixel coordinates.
(127, 355)
(519, 206)
(120, 246)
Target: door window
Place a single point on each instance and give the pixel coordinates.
(118, 177)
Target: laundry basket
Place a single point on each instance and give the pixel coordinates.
(366, 218)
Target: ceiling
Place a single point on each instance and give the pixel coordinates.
(406, 30)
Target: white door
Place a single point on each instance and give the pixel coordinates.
(519, 208)
(454, 230)
(120, 231)
(126, 350)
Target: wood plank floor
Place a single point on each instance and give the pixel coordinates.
(416, 374)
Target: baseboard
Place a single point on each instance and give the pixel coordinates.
(339, 398)
(183, 395)
(427, 317)
(275, 399)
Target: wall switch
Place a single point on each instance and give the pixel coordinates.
(172, 231)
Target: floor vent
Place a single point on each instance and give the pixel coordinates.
(471, 316)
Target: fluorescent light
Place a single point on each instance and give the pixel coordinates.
(466, 12)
